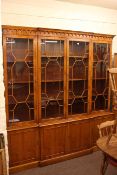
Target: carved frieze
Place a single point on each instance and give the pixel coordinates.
(18, 31)
(11, 30)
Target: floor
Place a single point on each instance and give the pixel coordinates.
(85, 165)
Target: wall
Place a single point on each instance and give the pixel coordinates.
(61, 15)
(2, 100)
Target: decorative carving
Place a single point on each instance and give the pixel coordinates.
(73, 34)
(54, 32)
(19, 31)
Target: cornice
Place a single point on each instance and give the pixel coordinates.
(14, 30)
(74, 34)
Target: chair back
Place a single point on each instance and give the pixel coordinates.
(107, 128)
(113, 78)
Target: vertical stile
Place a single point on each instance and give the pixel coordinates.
(39, 78)
(35, 69)
(90, 72)
(65, 80)
(67, 75)
(110, 65)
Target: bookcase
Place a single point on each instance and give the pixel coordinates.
(56, 92)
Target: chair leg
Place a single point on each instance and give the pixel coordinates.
(104, 165)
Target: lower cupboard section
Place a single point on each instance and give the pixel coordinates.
(79, 136)
(23, 146)
(53, 141)
(50, 143)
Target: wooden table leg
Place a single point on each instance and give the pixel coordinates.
(104, 165)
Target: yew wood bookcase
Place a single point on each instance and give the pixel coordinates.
(56, 91)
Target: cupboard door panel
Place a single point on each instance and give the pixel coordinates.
(79, 136)
(23, 146)
(85, 134)
(53, 141)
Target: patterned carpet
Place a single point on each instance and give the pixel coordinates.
(85, 165)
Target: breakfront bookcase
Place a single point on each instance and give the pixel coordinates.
(56, 91)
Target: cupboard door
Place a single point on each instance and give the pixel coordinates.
(23, 146)
(79, 138)
(52, 78)
(78, 77)
(53, 141)
(20, 86)
(100, 81)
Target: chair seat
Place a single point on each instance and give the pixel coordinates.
(107, 129)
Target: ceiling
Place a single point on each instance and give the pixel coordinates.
(111, 4)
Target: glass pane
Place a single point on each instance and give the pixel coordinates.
(78, 77)
(52, 48)
(52, 68)
(20, 79)
(100, 82)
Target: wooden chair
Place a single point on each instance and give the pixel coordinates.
(107, 128)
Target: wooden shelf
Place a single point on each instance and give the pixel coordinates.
(80, 56)
(100, 94)
(48, 81)
(52, 56)
(51, 81)
(78, 79)
(20, 82)
(20, 61)
(69, 98)
(101, 78)
(21, 102)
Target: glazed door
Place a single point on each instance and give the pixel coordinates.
(100, 81)
(78, 77)
(52, 78)
(19, 67)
